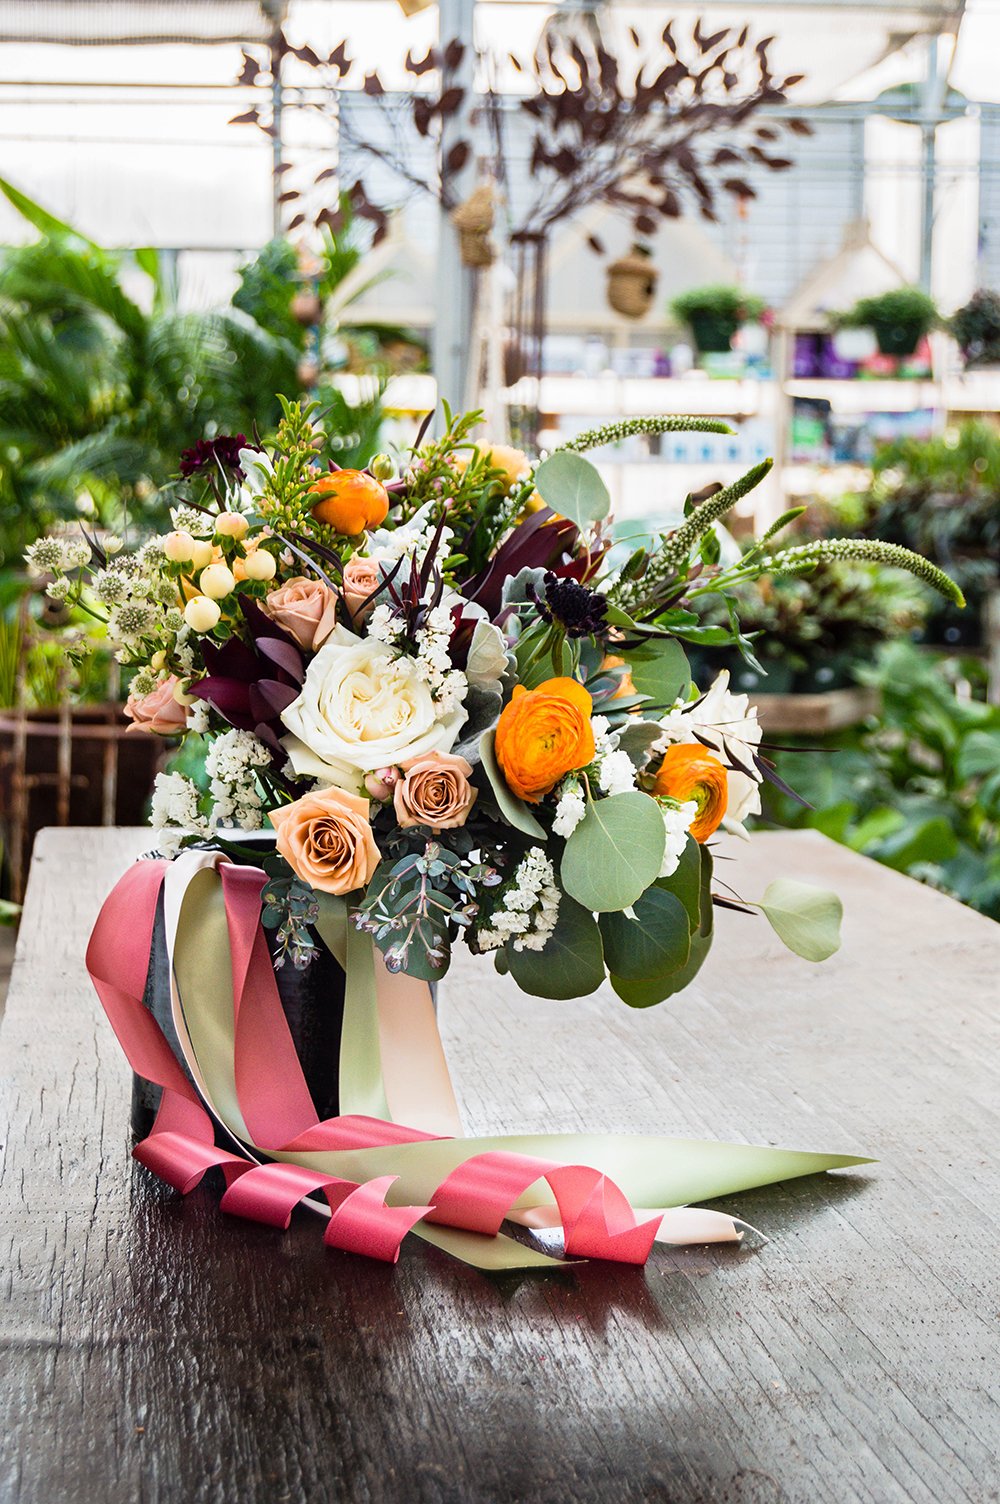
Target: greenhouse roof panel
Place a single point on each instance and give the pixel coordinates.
(94, 23)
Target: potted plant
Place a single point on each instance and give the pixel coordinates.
(715, 312)
(976, 327)
(900, 318)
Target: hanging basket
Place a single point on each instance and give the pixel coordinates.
(474, 222)
(632, 283)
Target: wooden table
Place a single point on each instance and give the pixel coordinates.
(155, 1350)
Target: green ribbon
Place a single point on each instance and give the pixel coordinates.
(651, 1171)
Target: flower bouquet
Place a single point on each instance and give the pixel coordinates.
(464, 712)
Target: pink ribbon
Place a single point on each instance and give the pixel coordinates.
(477, 1196)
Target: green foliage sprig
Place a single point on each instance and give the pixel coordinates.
(625, 428)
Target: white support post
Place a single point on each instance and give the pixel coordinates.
(454, 285)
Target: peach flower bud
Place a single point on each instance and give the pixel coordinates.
(361, 578)
(305, 609)
(327, 841)
(381, 784)
(158, 711)
(435, 791)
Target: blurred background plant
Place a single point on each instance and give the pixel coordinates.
(814, 631)
(976, 327)
(918, 788)
(101, 390)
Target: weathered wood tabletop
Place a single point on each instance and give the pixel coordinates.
(154, 1350)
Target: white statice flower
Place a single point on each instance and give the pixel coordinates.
(727, 724)
(384, 626)
(412, 540)
(197, 716)
(570, 808)
(175, 812)
(232, 765)
(616, 773)
(528, 909)
(447, 684)
(677, 822)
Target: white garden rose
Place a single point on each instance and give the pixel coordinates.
(362, 708)
(721, 717)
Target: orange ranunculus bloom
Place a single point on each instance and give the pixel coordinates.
(626, 684)
(543, 734)
(690, 771)
(350, 501)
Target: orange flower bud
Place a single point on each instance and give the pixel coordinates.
(350, 501)
(542, 735)
(689, 771)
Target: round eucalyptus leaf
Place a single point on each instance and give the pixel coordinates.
(571, 964)
(573, 487)
(653, 944)
(615, 853)
(807, 919)
(647, 993)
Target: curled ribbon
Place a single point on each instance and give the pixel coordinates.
(374, 1178)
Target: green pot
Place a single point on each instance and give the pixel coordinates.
(898, 339)
(712, 332)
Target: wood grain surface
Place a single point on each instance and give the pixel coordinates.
(154, 1350)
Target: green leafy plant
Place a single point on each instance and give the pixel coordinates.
(918, 789)
(941, 497)
(900, 318)
(812, 633)
(976, 327)
(715, 312)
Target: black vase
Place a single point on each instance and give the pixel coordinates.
(313, 1004)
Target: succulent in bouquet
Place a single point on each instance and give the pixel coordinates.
(461, 709)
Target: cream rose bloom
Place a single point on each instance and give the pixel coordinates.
(361, 708)
(719, 718)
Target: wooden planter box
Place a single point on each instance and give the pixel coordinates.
(70, 766)
(815, 714)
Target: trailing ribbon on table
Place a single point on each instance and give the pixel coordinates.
(375, 1179)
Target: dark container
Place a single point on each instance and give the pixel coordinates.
(313, 1004)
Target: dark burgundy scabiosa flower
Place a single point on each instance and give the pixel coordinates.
(565, 603)
(223, 450)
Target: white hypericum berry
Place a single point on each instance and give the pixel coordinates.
(217, 581)
(202, 614)
(178, 547)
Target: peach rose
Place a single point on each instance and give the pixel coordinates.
(305, 609)
(434, 791)
(158, 711)
(327, 841)
(361, 577)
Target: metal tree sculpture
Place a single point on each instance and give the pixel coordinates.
(646, 131)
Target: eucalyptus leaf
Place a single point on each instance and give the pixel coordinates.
(656, 943)
(573, 488)
(647, 993)
(615, 853)
(660, 670)
(638, 738)
(571, 964)
(806, 918)
(686, 881)
(514, 810)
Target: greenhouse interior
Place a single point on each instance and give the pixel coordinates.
(527, 355)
